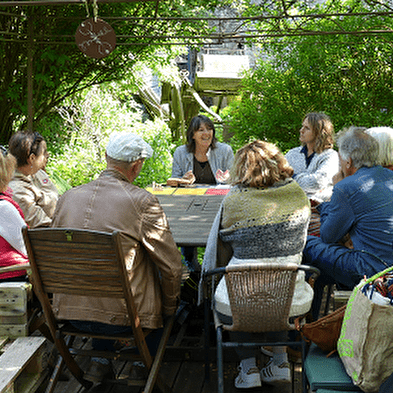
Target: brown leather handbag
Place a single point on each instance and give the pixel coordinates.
(324, 332)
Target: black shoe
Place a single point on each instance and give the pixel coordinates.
(97, 372)
(138, 371)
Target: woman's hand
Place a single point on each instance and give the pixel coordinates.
(189, 176)
(221, 176)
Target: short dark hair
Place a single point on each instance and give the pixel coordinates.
(24, 143)
(194, 126)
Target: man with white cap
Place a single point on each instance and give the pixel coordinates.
(152, 258)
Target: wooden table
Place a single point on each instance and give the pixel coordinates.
(191, 213)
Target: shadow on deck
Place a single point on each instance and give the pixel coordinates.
(183, 368)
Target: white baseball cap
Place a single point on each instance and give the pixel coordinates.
(128, 147)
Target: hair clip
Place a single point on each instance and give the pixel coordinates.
(3, 150)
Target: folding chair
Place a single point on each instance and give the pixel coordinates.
(88, 263)
(260, 297)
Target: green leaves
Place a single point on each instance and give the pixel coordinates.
(348, 76)
(60, 70)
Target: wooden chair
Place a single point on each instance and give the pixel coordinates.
(88, 263)
(260, 296)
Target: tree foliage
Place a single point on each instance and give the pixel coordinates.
(61, 70)
(348, 76)
(88, 119)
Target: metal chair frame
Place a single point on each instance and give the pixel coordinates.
(251, 288)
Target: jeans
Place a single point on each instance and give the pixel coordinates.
(338, 265)
(191, 258)
(152, 340)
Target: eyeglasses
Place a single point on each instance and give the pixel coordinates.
(37, 137)
(3, 150)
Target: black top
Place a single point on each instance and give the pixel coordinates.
(203, 172)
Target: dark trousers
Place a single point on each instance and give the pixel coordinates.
(152, 340)
(338, 265)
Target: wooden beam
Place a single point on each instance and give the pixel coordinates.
(30, 76)
(60, 2)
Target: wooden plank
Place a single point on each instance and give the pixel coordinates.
(14, 331)
(190, 217)
(15, 3)
(190, 378)
(13, 298)
(17, 358)
(3, 343)
(230, 372)
(223, 84)
(169, 371)
(71, 385)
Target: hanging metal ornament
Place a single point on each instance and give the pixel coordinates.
(95, 37)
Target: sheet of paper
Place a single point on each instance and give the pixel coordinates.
(217, 191)
(164, 191)
(190, 191)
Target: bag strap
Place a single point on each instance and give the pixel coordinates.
(377, 275)
(362, 252)
(361, 285)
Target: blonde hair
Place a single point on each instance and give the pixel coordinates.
(7, 168)
(323, 130)
(259, 164)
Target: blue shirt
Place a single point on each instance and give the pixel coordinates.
(307, 157)
(362, 205)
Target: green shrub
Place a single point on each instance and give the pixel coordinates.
(78, 151)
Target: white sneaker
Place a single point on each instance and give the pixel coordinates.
(267, 351)
(248, 378)
(276, 374)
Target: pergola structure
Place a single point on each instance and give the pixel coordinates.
(228, 29)
(244, 29)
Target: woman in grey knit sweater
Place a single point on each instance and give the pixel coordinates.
(263, 218)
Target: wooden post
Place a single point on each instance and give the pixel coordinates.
(30, 43)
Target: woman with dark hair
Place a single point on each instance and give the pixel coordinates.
(263, 218)
(12, 246)
(202, 159)
(31, 187)
(315, 162)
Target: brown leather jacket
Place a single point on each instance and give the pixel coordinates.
(152, 258)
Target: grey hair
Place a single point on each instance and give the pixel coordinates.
(384, 137)
(355, 144)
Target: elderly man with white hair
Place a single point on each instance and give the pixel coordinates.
(384, 137)
(153, 261)
(361, 206)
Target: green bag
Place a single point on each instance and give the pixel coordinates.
(365, 345)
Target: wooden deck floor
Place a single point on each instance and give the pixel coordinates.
(183, 368)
